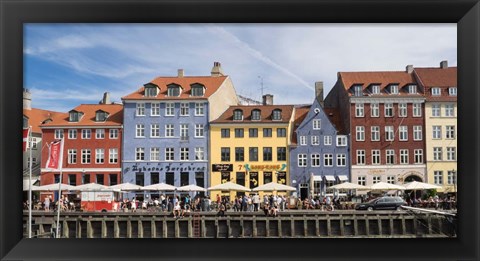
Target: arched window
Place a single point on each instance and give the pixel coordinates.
(173, 90)
(151, 90)
(198, 90)
(277, 115)
(237, 115)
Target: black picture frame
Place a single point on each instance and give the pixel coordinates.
(466, 13)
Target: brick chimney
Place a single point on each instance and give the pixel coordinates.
(181, 73)
(217, 69)
(444, 64)
(27, 99)
(267, 99)
(319, 92)
(409, 68)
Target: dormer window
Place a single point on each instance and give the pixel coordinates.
(452, 91)
(173, 90)
(436, 91)
(151, 90)
(256, 115)
(412, 89)
(277, 115)
(237, 115)
(74, 116)
(101, 116)
(375, 89)
(357, 90)
(198, 90)
(393, 89)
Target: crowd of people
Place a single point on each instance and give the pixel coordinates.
(48, 204)
(436, 202)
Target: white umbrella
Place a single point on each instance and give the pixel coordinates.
(160, 187)
(27, 182)
(127, 187)
(415, 185)
(229, 186)
(273, 186)
(91, 187)
(386, 186)
(348, 185)
(54, 187)
(191, 188)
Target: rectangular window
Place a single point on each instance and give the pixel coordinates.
(113, 155)
(360, 157)
(437, 132)
(438, 177)
(225, 133)
(58, 133)
(375, 133)
(267, 132)
(139, 154)
(139, 179)
(341, 160)
(362, 180)
(72, 179)
(436, 110)
(316, 124)
(199, 131)
(390, 154)
(417, 132)
(376, 179)
(72, 134)
(412, 89)
(267, 177)
(327, 140)
(183, 131)
(239, 154)
(100, 134)
(403, 156)
(253, 132)
(86, 156)
(450, 132)
(239, 132)
(155, 109)
(281, 132)
(155, 130)
(358, 90)
(302, 160)
(184, 154)
(154, 178)
(341, 141)
(452, 91)
(85, 178)
(359, 110)
(389, 134)
(328, 160)
(436, 91)
(140, 110)
(315, 160)
(199, 153)
(199, 109)
(100, 179)
(72, 156)
(449, 110)
(303, 140)
(139, 131)
(315, 140)
(388, 109)
(402, 110)
(451, 177)
(451, 153)
(184, 109)
(154, 154)
(169, 109)
(169, 130)
(376, 157)
(391, 179)
(393, 89)
(99, 156)
(267, 154)
(437, 153)
(403, 133)
(253, 154)
(374, 110)
(360, 133)
(225, 153)
(418, 156)
(281, 153)
(169, 154)
(417, 110)
(113, 133)
(375, 89)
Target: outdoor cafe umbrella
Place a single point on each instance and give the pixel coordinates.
(273, 186)
(386, 186)
(159, 187)
(127, 187)
(229, 186)
(415, 185)
(53, 187)
(91, 187)
(191, 188)
(348, 185)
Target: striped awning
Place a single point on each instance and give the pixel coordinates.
(342, 178)
(317, 178)
(329, 178)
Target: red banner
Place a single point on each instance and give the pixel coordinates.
(54, 160)
(26, 133)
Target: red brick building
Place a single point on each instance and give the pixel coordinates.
(384, 114)
(92, 145)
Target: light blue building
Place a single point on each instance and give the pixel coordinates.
(166, 132)
(319, 151)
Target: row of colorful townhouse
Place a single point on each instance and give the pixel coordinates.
(372, 126)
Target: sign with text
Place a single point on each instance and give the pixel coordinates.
(253, 179)
(222, 167)
(262, 167)
(225, 177)
(282, 178)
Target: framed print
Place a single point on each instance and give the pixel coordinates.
(163, 110)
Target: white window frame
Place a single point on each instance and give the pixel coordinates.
(362, 180)
(451, 153)
(86, 134)
(72, 156)
(436, 132)
(316, 124)
(155, 154)
(155, 109)
(437, 154)
(140, 109)
(389, 108)
(184, 130)
(315, 160)
(376, 157)
(375, 133)
(417, 109)
(374, 110)
(113, 155)
(100, 134)
(450, 132)
(388, 154)
(391, 179)
(449, 110)
(199, 131)
(359, 110)
(169, 130)
(302, 160)
(140, 130)
(452, 91)
(436, 91)
(86, 156)
(404, 156)
(184, 154)
(99, 156)
(402, 110)
(412, 89)
(375, 89)
(154, 130)
(303, 140)
(451, 177)
(328, 160)
(72, 134)
(315, 140)
(361, 159)
(360, 133)
(418, 156)
(184, 109)
(436, 110)
(58, 133)
(341, 141)
(376, 179)
(438, 177)
(113, 133)
(139, 154)
(393, 89)
(199, 109)
(199, 153)
(341, 159)
(417, 132)
(403, 133)
(169, 154)
(169, 109)
(327, 140)
(389, 133)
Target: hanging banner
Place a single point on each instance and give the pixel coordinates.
(26, 133)
(54, 161)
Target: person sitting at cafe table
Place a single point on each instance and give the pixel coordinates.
(177, 210)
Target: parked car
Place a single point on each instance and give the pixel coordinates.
(382, 203)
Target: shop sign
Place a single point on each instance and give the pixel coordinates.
(222, 167)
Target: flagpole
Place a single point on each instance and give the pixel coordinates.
(59, 188)
(30, 184)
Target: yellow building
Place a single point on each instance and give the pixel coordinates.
(440, 88)
(249, 146)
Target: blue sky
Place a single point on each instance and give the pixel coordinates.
(69, 64)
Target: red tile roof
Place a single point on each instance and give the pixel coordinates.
(115, 117)
(265, 114)
(211, 83)
(300, 114)
(383, 79)
(437, 77)
(37, 116)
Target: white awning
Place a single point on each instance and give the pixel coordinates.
(342, 178)
(329, 178)
(317, 178)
